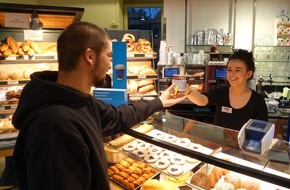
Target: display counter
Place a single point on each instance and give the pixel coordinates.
(191, 139)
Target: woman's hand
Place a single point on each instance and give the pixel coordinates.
(168, 100)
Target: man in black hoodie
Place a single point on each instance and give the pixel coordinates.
(60, 144)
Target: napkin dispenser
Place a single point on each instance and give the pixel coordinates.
(256, 136)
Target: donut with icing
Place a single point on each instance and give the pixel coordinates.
(150, 158)
(177, 159)
(167, 154)
(155, 150)
(184, 142)
(129, 147)
(157, 134)
(175, 170)
(143, 146)
(191, 160)
(162, 164)
(170, 138)
(141, 153)
(196, 147)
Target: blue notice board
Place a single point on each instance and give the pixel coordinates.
(119, 66)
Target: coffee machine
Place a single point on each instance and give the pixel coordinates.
(215, 76)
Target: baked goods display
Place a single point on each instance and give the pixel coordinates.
(161, 158)
(10, 95)
(137, 46)
(130, 173)
(6, 125)
(11, 47)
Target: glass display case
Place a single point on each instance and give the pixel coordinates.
(210, 146)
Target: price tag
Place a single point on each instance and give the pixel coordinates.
(13, 107)
(10, 58)
(148, 55)
(130, 55)
(13, 82)
(141, 77)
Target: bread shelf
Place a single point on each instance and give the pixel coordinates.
(134, 77)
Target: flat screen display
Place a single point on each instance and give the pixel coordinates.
(220, 73)
(168, 72)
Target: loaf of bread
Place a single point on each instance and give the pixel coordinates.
(146, 89)
(12, 44)
(124, 139)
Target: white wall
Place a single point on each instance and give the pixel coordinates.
(174, 12)
(244, 24)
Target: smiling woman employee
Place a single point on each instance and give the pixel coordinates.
(235, 104)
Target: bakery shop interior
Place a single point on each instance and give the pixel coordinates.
(186, 41)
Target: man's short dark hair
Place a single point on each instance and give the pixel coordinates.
(75, 39)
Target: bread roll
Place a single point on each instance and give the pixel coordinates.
(31, 52)
(4, 47)
(146, 89)
(4, 75)
(147, 71)
(16, 75)
(34, 46)
(20, 51)
(25, 47)
(12, 44)
(145, 82)
(7, 52)
(127, 138)
(27, 72)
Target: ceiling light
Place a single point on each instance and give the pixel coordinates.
(35, 23)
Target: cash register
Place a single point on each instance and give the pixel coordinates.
(256, 136)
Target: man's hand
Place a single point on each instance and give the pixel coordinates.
(167, 99)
